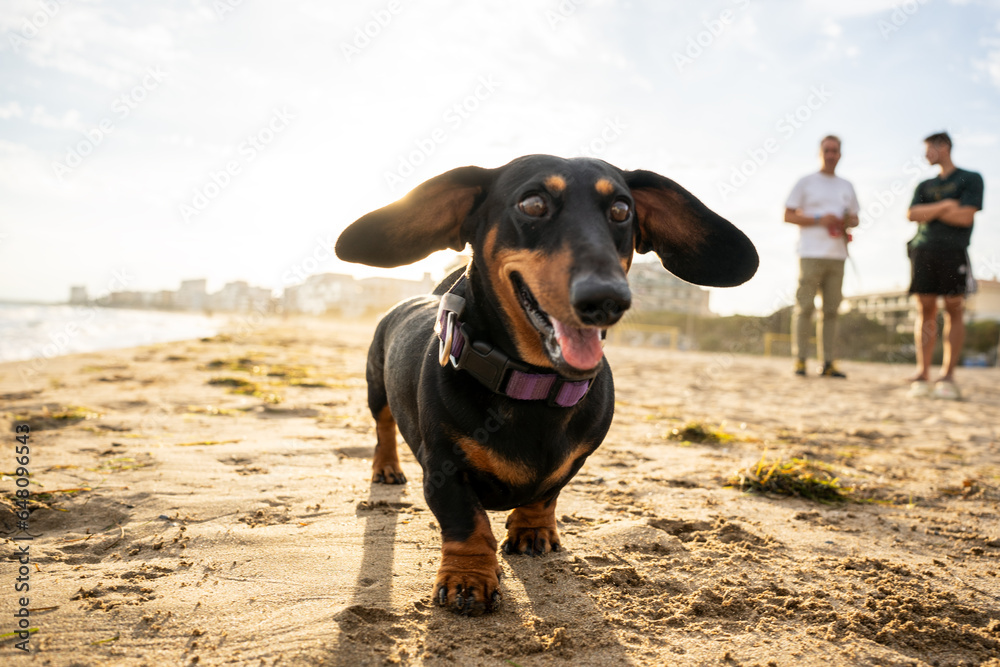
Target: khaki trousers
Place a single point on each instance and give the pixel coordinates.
(825, 276)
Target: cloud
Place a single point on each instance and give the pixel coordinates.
(11, 110)
(69, 120)
(831, 28)
(979, 139)
(990, 65)
(849, 8)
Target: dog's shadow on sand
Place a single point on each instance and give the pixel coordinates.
(381, 514)
(550, 616)
(564, 621)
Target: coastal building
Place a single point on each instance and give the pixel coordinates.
(78, 295)
(165, 299)
(894, 309)
(898, 310)
(656, 289)
(985, 303)
(338, 294)
(193, 295)
(324, 293)
(380, 294)
(240, 297)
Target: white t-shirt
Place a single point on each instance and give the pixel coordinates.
(820, 194)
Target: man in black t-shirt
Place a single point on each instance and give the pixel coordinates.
(943, 208)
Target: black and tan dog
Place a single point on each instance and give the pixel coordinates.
(497, 381)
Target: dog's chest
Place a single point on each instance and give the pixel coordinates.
(526, 460)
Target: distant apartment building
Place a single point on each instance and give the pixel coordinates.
(985, 303)
(895, 309)
(656, 289)
(78, 295)
(193, 295)
(165, 299)
(240, 297)
(898, 310)
(139, 300)
(323, 293)
(343, 295)
(380, 294)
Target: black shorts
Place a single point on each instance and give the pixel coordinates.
(939, 271)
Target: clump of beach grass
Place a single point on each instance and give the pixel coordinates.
(295, 375)
(47, 418)
(697, 432)
(801, 478)
(247, 388)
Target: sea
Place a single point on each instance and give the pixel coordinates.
(30, 331)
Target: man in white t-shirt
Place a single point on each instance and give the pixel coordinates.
(824, 207)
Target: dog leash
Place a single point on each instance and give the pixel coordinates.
(492, 367)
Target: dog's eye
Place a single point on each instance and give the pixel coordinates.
(620, 211)
(533, 205)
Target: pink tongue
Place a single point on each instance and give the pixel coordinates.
(581, 348)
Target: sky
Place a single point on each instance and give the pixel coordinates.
(142, 144)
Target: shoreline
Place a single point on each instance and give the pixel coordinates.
(74, 329)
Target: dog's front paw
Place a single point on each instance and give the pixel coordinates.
(472, 588)
(531, 530)
(531, 541)
(388, 474)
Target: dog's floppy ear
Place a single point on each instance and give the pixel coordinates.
(692, 241)
(428, 218)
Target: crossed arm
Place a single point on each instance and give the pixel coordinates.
(947, 210)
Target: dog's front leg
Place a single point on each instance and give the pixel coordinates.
(468, 581)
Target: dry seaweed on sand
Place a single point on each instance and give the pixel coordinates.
(797, 477)
(246, 387)
(47, 419)
(697, 432)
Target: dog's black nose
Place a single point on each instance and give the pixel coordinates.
(600, 301)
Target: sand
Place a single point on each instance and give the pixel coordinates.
(186, 524)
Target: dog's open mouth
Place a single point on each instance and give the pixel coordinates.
(579, 348)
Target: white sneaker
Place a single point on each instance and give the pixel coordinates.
(947, 391)
(919, 389)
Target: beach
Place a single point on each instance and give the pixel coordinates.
(207, 502)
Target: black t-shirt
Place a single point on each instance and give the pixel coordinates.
(967, 188)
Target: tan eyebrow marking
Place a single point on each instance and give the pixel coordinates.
(604, 186)
(556, 182)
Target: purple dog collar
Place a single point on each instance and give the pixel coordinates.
(497, 371)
